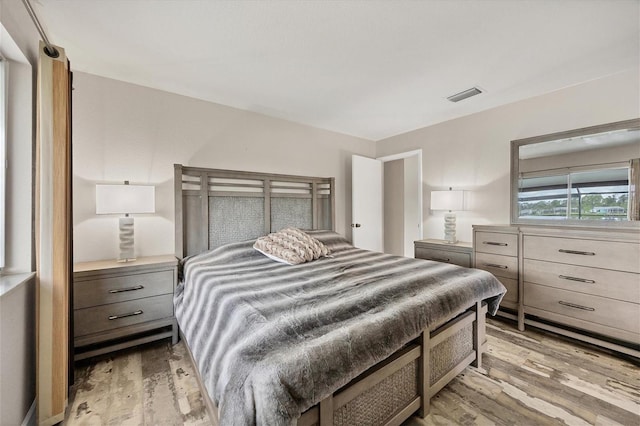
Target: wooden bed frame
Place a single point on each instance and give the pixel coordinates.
(390, 391)
(198, 189)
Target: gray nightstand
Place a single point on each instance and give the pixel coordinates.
(459, 253)
(118, 305)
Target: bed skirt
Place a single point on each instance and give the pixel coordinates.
(395, 389)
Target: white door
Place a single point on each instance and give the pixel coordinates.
(366, 203)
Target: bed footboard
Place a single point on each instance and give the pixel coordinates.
(393, 390)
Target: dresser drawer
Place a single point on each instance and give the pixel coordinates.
(595, 253)
(102, 291)
(108, 317)
(462, 259)
(501, 266)
(596, 309)
(623, 286)
(497, 243)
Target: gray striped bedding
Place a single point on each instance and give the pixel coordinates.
(271, 340)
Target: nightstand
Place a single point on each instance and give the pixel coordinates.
(459, 253)
(121, 304)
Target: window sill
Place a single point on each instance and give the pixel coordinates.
(10, 282)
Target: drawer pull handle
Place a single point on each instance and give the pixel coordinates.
(582, 280)
(573, 305)
(493, 243)
(131, 314)
(495, 265)
(122, 290)
(584, 253)
(440, 259)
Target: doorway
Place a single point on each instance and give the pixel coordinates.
(397, 200)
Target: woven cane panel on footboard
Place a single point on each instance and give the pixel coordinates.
(389, 399)
(450, 353)
(380, 403)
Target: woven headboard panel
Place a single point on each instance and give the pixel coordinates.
(215, 207)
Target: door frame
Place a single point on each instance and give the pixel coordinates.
(403, 155)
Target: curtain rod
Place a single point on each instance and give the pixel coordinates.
(51, 51)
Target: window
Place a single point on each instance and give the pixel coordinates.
(601, 194)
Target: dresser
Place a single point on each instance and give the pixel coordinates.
(121, 304)
(585, 279)
(580, 282)
(496, 250)
(459, 253)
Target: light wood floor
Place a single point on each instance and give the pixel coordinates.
(530, 378)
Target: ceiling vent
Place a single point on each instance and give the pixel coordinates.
(465, 94)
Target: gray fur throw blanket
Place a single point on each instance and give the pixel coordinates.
(271, 340)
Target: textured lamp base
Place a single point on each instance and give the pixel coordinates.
(450, 228)
(126, 240)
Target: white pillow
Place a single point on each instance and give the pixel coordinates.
(291, 246)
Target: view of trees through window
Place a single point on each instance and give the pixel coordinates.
(602, 194)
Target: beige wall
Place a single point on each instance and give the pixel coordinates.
(401, 212)
(393, 200)
(473, 152)
(126, 132)
(17, 353)
(412, 219)
(17, 22)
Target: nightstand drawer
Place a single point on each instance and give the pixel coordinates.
(501, 266)
(102, 291)
(497, 243)
(115, 315)
(462, 259)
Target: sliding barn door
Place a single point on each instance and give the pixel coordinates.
(53, 235)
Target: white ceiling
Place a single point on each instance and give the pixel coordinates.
(372, 69)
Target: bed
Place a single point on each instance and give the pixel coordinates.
(354, 338)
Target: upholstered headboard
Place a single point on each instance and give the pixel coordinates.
(215, 207)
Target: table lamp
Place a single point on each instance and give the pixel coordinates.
(450, 201)
(125, 199)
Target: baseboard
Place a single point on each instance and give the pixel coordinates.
(30, 418)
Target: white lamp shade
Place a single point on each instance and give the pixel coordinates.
(447, 200)
(123, 199)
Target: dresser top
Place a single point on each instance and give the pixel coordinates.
(611, 233)
(463, 244)
(511, 229)
(101, 265)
